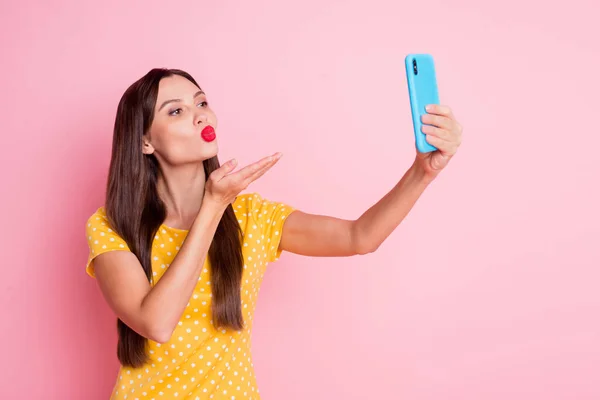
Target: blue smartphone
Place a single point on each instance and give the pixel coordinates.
(422, 90)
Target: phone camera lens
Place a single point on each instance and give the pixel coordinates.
(415, 70)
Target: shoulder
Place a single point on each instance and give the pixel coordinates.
(97, 219)
(257, 207)
(242, 200)
(242, 206)
(98, 229)
(101, 238)
(252, 204)
(266, 217)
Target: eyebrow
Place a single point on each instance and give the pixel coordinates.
(175, 100)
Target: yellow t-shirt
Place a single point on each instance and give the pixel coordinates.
(200, 362)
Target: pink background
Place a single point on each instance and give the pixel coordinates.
(488, 290)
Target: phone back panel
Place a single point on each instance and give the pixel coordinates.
(422, 90)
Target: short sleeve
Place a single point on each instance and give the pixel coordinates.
(101, 239)
(270, 217)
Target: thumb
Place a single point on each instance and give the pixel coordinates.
(439, 160)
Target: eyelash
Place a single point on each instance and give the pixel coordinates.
(172, 111)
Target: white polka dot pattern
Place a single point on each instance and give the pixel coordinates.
(199, 361)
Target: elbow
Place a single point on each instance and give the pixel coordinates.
(160, 338)
(153, 327)
(360, 242)
(366, 249)
(159, 334)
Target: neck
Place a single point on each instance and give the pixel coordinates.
(181, 188)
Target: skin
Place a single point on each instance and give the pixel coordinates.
(196, 202)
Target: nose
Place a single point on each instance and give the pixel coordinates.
(201, 118)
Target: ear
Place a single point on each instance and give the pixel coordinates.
(147, 148)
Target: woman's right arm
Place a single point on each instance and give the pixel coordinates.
(154, 312)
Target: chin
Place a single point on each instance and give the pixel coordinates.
(210, 152)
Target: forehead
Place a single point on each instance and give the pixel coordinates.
(175, 87)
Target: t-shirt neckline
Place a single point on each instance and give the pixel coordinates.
(174, 229)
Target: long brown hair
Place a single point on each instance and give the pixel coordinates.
(135, 212)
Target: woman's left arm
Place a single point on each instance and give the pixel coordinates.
(324, 236)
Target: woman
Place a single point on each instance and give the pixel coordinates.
(179, 254)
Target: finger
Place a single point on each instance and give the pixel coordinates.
(439, 110)
(253, 168)
(439, 121)
(259, 173)
(437, 132)
(442, 145)
(224, 169)
(458, 127)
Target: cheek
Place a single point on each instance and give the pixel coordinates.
(167, 138)
(180, 143)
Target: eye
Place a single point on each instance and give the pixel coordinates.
(177, 111)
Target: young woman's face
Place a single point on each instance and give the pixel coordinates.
(180, 115)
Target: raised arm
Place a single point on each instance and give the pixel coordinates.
(318, 235)
(154, 312)
(325, 236)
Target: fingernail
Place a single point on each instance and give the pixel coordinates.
(429, 107)
(233, 162)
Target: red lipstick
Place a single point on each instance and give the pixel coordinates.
(208, 134)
